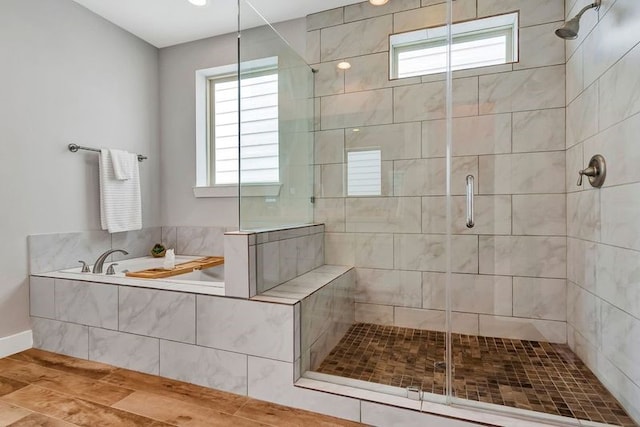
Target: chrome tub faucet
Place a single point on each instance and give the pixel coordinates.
(97, 267)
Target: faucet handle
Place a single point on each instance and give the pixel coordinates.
(85, 267)
(596, 171)
(580, 175)
(110, 270)
(590, 171)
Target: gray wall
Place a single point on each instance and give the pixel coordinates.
(508, 131)
(66, 75)
(603, 102)
(177, 124)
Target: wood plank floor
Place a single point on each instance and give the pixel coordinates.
(38, 388)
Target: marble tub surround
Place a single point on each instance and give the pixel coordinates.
(179, 335)
(135, 352)
(169, 315)
(145, 329)
(76, 289)
(85, 303)
(60, 337)
(197, 240)
(508, 131)
(603, 102)
(41, 295)
(52, 252)
(283, 254)
(42, 286)
(49, 252)
(137, 243)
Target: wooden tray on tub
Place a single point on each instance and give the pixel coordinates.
(182, 268)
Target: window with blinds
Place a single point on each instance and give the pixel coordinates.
(364, 173)
(259, 153)
(474, 44)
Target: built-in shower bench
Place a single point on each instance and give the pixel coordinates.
(303, 286)
(326, 299)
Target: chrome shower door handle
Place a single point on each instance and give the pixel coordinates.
(470, 181)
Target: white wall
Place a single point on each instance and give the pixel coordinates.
(66, 75)
(177, 125)
(603, 117)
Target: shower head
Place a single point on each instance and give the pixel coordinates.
(570, 29)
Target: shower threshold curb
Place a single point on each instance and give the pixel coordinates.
(460, 409)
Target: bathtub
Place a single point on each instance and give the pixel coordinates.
(209, 281)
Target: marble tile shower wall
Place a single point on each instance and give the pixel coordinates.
(50, 252)
(603, 117)
(286, 254)
(508, 131)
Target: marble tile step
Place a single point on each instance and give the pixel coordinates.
(302, 286)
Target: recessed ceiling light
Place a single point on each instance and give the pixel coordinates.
(198, 2)
(355, 130)
(344, 65)
(378, 2)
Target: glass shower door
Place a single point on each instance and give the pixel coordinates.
(505, 291)
(509, 301)
(381, 190)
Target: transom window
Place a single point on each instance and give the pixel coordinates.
(477, 43)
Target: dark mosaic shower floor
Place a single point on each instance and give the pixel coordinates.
(531, 375)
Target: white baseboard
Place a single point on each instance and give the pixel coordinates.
(16, 343)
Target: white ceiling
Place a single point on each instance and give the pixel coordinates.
(168, 22)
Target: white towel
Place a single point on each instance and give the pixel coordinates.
(124, 164)
(120, 201)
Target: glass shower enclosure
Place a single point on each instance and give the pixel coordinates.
(446, 167)
(276, 127)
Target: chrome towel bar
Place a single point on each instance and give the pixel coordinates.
(75, 147)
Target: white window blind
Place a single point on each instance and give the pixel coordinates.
(419, 60)
(259, 157)
(364, 173)
(478, 43)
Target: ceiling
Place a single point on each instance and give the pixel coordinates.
(168, 22)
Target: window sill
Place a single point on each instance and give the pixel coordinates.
(255, 190)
